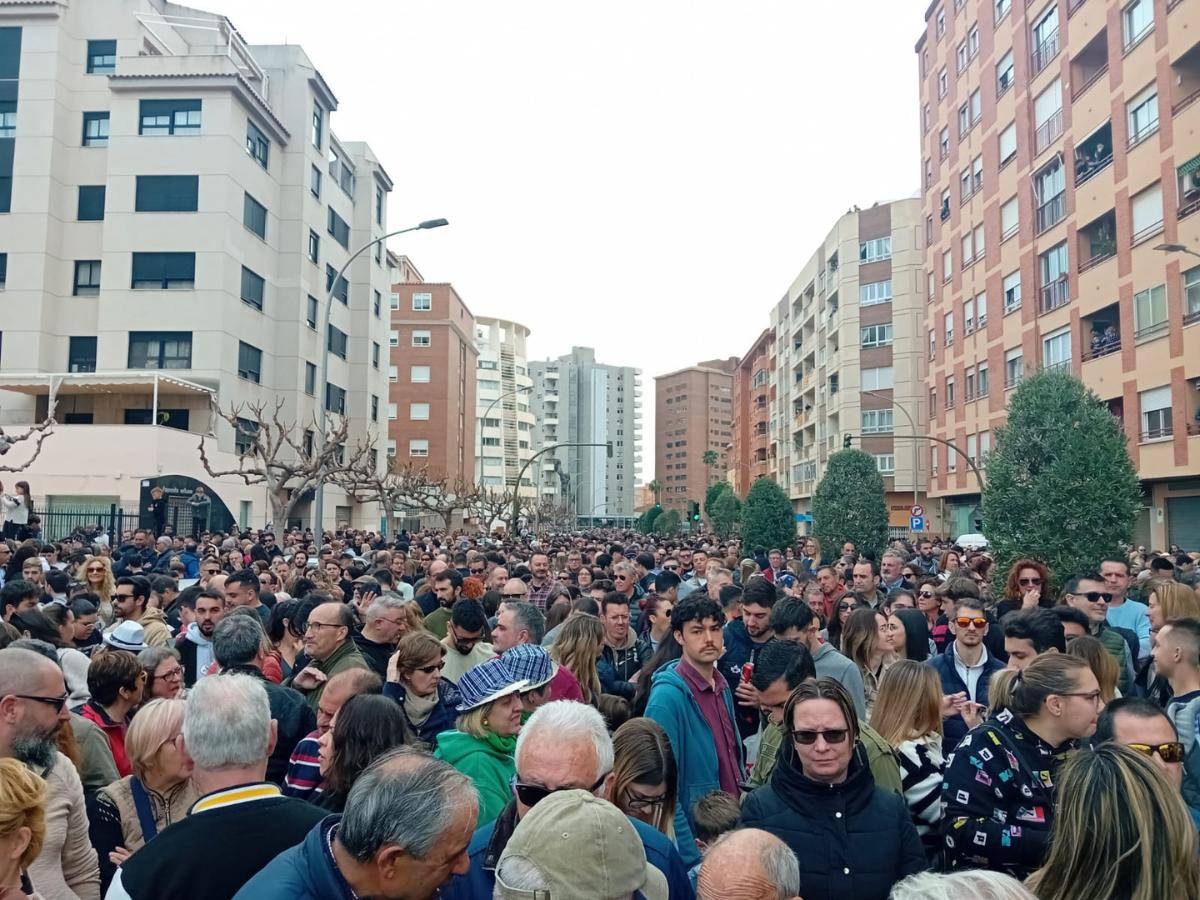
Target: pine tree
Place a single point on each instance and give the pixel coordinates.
(724, 512)
(849, 503)
(767, 517)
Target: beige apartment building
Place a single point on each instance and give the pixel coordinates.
(693, 415)
(1061, 177)
(846, 360)
(174, 206)
(503, 395)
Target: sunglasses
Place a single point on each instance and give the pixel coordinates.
(429, 670)
(513, 596)
(844, 607)
(1170, 752)
(928, 595)
(1029, 582)
(1096, 596)
(532, 794)
(833, 736)
(966, 621)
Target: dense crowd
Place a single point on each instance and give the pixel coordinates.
(592, 715)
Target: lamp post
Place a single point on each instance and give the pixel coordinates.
(1177, 248)
(487, 410)
(323, 404)
(521, 474)
(913, 425)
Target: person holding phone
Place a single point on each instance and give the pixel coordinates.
(965, 669)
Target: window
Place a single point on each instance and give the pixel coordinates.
(1137, 19)
(1056, 349)
(1002, 8)
(314, 182)
(393, 411)
(257, 145)
(375, 408)
(964, 185)
(1047, 115)
(419, 374)
(249, 362)
(972, 41)
(969, 315)
(335, 398)
(336, 342)
(394, 338)
(1004, 73)
(254, 216)
(81, 354)
(311, 313)
(944, 143)
(877, 335)
(376, 303)
(342, 291)
(166, 193)
(876, 249)
(318, 125)
(418, 447)
(376, 354)
(87, 278)
(947, 265)
(101, 57)
(1150, 311)
(976, 104)
(418, 412)
(964, 120)
(160, 349)
(95, 129)
(932, 343)
(244, 433)
(393, 300)
(950, 393)
(875, 292)
(1009, 219)
(378, 205)
(877, 421)
(164, 271)
(1008, 143)
(981, 309)
(1014, 367)
(1143, 115)
(886, 463)
(422, 302)
(1191, 290)
(1155, 405)
(391, 449)
(253, 288)
(91, 203)
(314, 246)
(1012, 292)
(339, 229)
(948, 328)
(880, 379)
(1052, 266)
(980, 249)
(960, 55)
(945, 207)
(393, 373)
(310, 379)
(943, 83)
(941, 22)
(969, 385)
(968, 253)
(982, 381)
(951, 459)
(1147, 210)
(8, 119)
(160, 117)
(421, 339)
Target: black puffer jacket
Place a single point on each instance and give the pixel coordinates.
(852, 839)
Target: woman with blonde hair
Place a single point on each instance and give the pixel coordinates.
(129, 813)
(97, 575)
(1103, 664)
(578, 646)
(1121, 830)
(1169, 600)
(865, 641)
(22, 826)
(644, 774)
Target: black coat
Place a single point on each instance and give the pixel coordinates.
(442, 717)
(293, 716)
(852, 839)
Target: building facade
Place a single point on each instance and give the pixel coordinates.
(752, 450)
(502, 407)
(847, 362)
(1061, 177)
(580, 401)
(693, 417)
(173, 208)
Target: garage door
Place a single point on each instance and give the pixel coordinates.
(1183, 522)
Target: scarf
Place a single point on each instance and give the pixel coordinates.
(419, 708)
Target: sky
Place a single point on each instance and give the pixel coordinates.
(645, 178)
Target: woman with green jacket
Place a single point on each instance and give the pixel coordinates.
(484, 741)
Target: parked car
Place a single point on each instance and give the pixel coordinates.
(972, 542)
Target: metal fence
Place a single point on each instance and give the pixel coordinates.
(59, 521)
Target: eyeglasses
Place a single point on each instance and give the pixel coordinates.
(1090, 696)
(845, 607)
(638, 803)
(429, 670)
(520, 596)
(532, 794)
(1096, 596)
(309, 626)
(171, 674)
(967, 621)
(1029, 582)
(833, 736)
(57, 702)
(1170, 752)
(928, 595)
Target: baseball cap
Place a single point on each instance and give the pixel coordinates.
(584, 848)
(127, 636)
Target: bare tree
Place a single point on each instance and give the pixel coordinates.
(37, 433)
(413, 487)
(280, 457)
(493, 506)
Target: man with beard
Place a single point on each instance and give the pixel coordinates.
(195, 647)
(744, 638)
(33, 697)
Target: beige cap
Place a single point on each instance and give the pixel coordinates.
(584, 848)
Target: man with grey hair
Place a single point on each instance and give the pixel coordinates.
(240, 648)
(384, 623)
(749, 864)
(563, 746)
(405, 831)
(891, 571)
(240, 823)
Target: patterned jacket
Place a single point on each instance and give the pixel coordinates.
(998, 797)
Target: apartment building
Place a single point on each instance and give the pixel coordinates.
(431, 380)
(502, 407)
(846, 360)
(752, 449)
(174, 205)
(693, 416)
(1060, 146)
(577, 400)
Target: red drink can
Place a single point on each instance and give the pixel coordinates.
(747, 671)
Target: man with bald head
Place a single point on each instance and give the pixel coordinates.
(428, 601)
(33, 698)
(515, 589)
(749, 864)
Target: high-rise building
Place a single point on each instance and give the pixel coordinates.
(431, 375)
(752, 447)
(847, 358)
(580, 401)
(175, 206)
(502, 406)
(693, 428)
(1060, 188)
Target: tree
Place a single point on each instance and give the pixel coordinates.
(280, 457)
(655, 489)
(849, 503)
(493, 506)
(1060, 483)
(415, 487)
(668, 523)
(715, 490)
(709, 458)
(724, 513)
(38, 433)
(767, 517)
(645, 522)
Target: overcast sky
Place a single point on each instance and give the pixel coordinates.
(642, 177)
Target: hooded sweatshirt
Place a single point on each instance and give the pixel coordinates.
(489, 762)
(204, 651)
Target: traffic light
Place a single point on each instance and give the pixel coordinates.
(846, 442)
(694, 510)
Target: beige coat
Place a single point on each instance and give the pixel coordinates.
(167, 808)
(66, 868)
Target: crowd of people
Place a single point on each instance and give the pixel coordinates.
(593, 714)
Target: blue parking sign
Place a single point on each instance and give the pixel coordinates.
(917, 523)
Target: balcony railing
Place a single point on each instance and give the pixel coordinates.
(1074, 6)
(1086, 169)
(1092, 79)
(1103, 348)
(1048, 132)
(1054, 295)
(1044, 53)
(1100, 256)
(1150, 332)
(1188, 208)
(1157, 434)
(1012, 380)
(1138, 136)
(1185, 102)
(1146, 233)
(1052, 212)
(1191, 318)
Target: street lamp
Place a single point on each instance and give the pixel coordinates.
(323, 405)
(521, 474)
(1177, 248)
(913, 425)
(483, 419)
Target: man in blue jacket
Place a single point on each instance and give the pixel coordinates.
(564, 745)
(693, 703)
(965, 669)
(744, 637)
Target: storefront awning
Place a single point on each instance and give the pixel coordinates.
(1190, 166)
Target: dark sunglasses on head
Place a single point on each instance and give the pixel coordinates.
(532, 794)
(1096, 596)
(1170, 752)
(833, 736)
(978, 621)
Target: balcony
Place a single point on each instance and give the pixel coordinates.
(1097, 241)
(1185, 80)
(1054, 295)
(1102, 333)
(1044, 53)
(1052, 212)
(1090, 65)
(1093, 154)
(1048, 132)
(1189, 187)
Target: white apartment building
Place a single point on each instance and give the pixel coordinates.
(174, 207)
(580, 401)
(505, 424)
